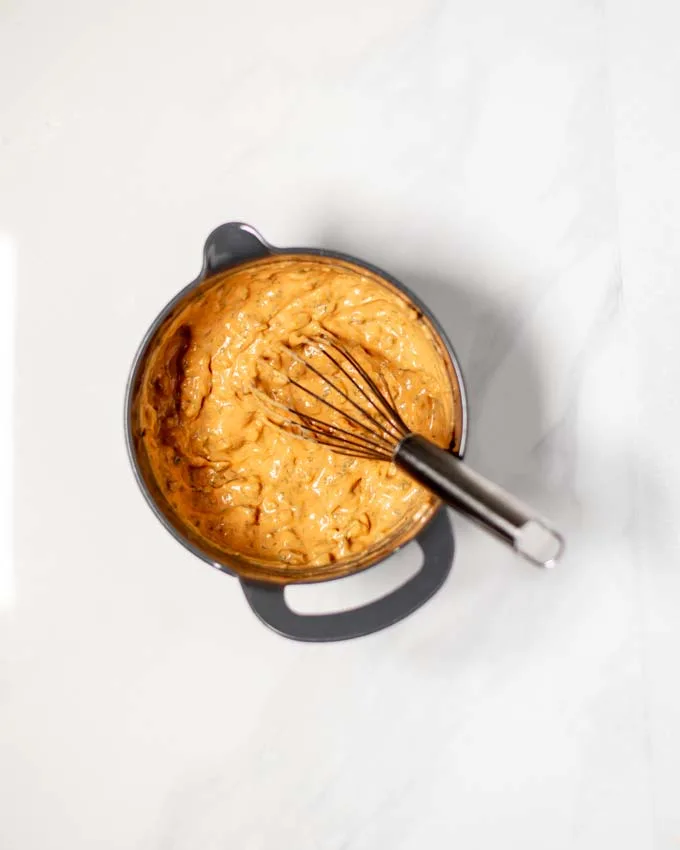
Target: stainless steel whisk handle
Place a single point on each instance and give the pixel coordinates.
(484, 502)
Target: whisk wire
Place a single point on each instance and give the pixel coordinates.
(361, 446)
(389, 413)
(375, 435)
(328, 404)
(317, 426)
(330, 383)
(371, 384)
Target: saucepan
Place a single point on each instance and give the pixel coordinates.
(235, 245)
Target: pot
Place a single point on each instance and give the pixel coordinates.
(234, 245)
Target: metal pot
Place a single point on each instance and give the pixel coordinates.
(236, 244)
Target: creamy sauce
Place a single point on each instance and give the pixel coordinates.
(241, 481)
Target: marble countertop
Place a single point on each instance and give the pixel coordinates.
(517, 165)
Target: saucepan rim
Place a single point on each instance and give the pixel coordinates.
(197, 546)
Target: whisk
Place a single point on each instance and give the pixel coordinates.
(372, 427)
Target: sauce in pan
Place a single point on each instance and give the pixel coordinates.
(242, 482)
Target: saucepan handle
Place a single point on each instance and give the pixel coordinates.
(232, 243)
(437, 543)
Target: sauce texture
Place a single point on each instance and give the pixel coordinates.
(238, 479)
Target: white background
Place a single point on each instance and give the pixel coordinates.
(518, 165)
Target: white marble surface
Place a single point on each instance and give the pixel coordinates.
(516, 164)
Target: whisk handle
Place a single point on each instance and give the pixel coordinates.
(484, 502)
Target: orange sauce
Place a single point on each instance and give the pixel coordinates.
(241, 481)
